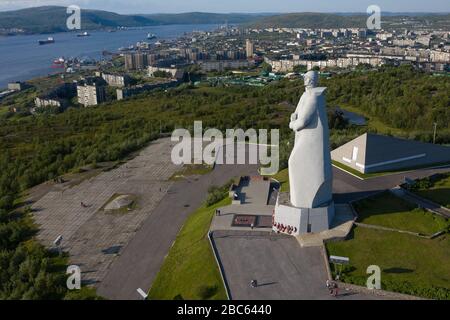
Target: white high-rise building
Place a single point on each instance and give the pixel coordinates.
(249, 48)
(90, 95)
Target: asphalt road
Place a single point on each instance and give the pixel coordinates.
(140, 261)
(347, 188)
(284, 271)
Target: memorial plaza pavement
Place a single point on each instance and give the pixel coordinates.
(119, 253)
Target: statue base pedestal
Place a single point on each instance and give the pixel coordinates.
(295, 221)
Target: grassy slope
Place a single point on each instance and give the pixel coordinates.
(390, 211)
(439, 193)
(402, 258)
(283, 178)
(374, 123)
(356, 172)
(409, 264)
(190, 264)
(3, 110)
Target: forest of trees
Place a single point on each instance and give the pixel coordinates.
(34, 149)
(400, 97)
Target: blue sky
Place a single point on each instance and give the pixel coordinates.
(158, 6)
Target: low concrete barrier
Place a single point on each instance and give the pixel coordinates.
(219, 264)
(380, 293)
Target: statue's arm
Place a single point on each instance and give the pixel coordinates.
(304, 116)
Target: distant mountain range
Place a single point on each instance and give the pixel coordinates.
(50, 19)
(311, 20)
(349, 20)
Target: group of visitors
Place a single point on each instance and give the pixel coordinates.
(332, 286)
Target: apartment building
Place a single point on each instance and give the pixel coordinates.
(90, 94)
(116, 80)
(174, 72)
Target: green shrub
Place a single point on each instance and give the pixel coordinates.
(205, 292)
(215, 194)
(85, 293)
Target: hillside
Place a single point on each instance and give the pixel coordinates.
(310, 20)
(353, 20)
(51, 19)
(203, 18)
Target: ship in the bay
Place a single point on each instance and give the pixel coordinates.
(49, 40)
(59, 63)
(83, 34)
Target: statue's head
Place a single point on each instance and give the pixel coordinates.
(311, 79)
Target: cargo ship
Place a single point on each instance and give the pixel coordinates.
(151, 36)
(49, 40)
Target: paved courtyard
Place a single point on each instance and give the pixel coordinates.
(139, 263)
(92, 236)
(283, 269)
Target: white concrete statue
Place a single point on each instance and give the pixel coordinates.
(310, 172)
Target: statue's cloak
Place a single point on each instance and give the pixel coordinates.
(310, 171)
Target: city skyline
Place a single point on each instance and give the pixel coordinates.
(283, 6)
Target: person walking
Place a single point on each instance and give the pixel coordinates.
(335, 289)
(329, 287)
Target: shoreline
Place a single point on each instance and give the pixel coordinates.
(117, 38)
(106, 29)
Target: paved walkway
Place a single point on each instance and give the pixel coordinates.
(254, 191)
(347, 188)
(283, 269)
(141, 260)
(92, 237)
